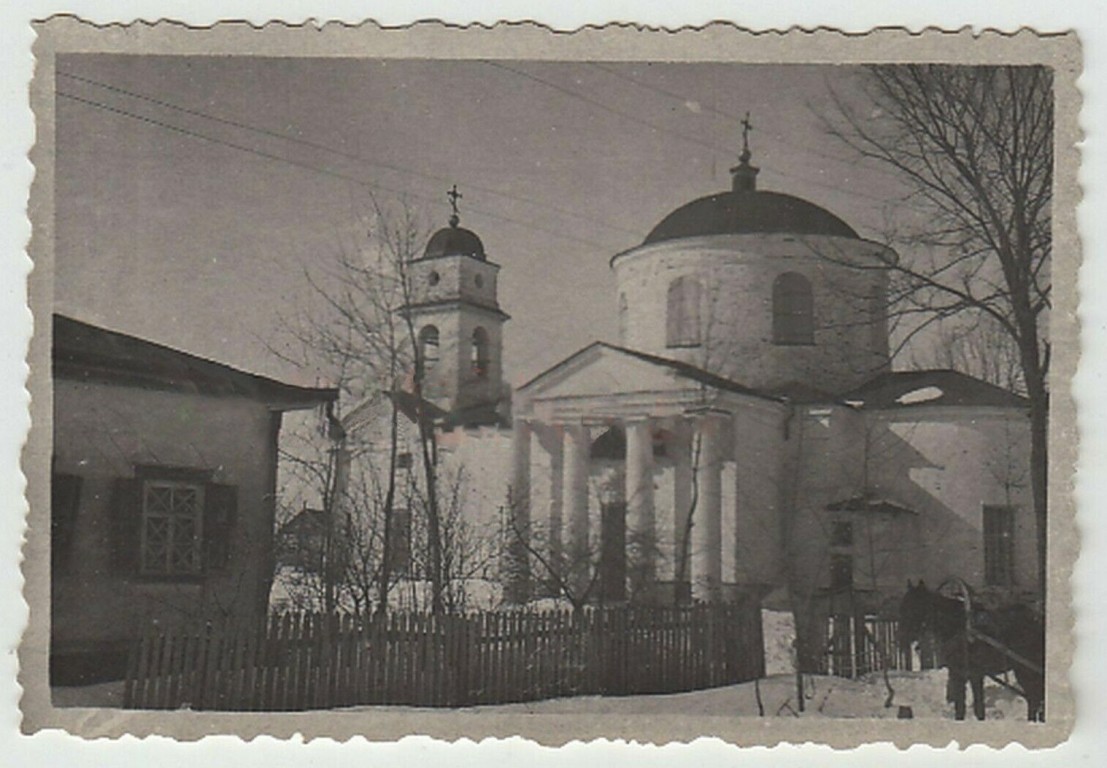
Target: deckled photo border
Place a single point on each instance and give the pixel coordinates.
(719, 42)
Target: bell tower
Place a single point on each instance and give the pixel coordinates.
(457, 317)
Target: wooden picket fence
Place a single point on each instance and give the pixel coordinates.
(300, 661)
(858, 645)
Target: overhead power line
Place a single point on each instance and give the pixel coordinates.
(338, 152)
(608, 108)
(314, 168)
(737, 118)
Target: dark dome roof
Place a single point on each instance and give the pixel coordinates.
(454, 241)
(748, 211)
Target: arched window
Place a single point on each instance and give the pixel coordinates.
(480, 354)
(682, 317)
(622, 317)
(793, 310)
(428, 351)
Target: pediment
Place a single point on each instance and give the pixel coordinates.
(600, 370)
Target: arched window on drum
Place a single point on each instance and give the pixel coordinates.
(428, 351)
(793, 310)
(479, 356)
(682, 316)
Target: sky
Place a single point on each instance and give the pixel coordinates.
(192, 193)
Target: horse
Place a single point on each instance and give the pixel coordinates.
(975, 642)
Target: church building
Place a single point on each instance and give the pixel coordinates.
(746, 437)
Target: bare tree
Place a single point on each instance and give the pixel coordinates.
(365, 340)
(979, 347)
(571, 574)
(975, 144)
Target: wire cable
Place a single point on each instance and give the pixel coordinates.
(339, 152)
(317, 169)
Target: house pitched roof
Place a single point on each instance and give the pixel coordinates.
(88, 352)
(915, 389)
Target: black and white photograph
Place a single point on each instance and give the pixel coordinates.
(581, 386)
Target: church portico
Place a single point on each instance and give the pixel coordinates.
(632, 488)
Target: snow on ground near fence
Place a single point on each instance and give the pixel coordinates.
(826, 696)
(924, 692)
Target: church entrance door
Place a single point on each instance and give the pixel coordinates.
(613, 552)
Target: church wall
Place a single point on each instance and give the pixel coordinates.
(435, 279)
(477, 281)
(471, 387)
(879, 548)
(438, 383)
(736, 274)
(760, 453)
(948, 464)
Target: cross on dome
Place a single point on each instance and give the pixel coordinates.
(745, 175)
(747, 126)
(454, 196)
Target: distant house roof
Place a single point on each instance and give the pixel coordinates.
(914, 389)
(86, 352)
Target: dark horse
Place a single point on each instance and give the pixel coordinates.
(976, 642)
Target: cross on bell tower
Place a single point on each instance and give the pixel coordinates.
(744, 175)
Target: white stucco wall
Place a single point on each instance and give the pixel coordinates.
(101, 432)
(736, 273)
(950, 463)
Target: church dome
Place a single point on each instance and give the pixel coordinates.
(454, 241)
(746, 211)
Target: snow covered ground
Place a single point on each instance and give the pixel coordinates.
(825, 696)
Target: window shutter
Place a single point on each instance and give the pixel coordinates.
(126, 526)
(220, 509)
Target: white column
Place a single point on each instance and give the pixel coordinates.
(682, 504)
(555, 524)
(707, 532)
(518, 515)
(641, 529)
(574, 497)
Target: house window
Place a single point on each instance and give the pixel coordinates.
(428, 351)
(793, 310)
(999, 546)
(841, 571)
(172, 528)
(171, 523)
(683, 313)
(480, 358)
(403, 461)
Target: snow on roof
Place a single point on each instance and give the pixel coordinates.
(920, 395)
(906, 389)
